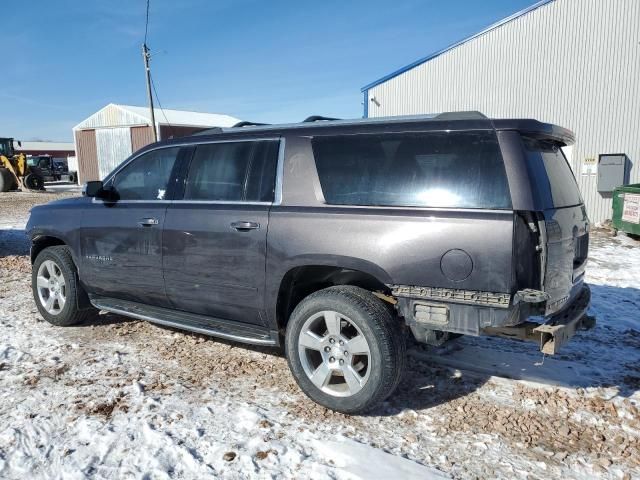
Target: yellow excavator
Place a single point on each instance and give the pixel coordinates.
(15, 172)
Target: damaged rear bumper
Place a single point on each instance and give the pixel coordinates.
(557, 330)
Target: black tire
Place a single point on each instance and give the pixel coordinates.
(381, 330)
(6, 180)
(72, 178)
(34, 181)
(437, 338)
(69, 314)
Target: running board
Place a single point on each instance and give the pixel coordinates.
(215, 327)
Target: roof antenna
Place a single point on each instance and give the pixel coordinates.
(146, 56)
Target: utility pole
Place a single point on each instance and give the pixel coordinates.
(146, 56)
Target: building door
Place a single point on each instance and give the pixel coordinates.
(113, 147)
(87, 155)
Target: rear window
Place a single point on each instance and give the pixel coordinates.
(551, 173)
(435, 169)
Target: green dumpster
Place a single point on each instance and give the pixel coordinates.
(626, 209)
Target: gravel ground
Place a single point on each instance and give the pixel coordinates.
(116, 398)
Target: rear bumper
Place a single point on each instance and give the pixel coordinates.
(557, 329)
(560, 327)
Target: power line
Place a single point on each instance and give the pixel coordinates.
(155, 92)
(146, 24)
(151, 85)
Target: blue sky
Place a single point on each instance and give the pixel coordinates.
(270, 61)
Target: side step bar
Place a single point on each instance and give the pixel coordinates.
(215, 327)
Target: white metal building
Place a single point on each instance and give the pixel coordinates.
(110, 135)
(575, 63)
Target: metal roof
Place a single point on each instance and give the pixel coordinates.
(113, 115)
(456, 44)
(184, 117)
(45, 146)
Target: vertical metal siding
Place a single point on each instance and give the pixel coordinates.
(575, 63)
(113, 147)
(140, 137)
(87, 156)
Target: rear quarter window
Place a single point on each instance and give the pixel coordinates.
(432, 169)
(551, 174)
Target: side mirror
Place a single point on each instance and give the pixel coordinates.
(98, 190)
(93, 189)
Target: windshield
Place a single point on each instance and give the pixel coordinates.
(5, 147)
(551, 173)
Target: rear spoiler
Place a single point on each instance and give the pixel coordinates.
(535, 128)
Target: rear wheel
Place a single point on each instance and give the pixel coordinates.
(6, 180)
(345, 349)
(55, 287)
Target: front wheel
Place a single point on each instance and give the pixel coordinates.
(345, 349)
(55, 287)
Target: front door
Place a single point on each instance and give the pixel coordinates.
(122, 239)
(215, 236)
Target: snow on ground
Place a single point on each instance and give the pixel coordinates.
(116, 398)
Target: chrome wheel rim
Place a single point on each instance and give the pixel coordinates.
(52, 287)
(334, 353)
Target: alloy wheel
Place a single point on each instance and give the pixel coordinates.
(335, 354)
(52, 287)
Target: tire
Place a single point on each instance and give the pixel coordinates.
(72, 178)
(6, 180)
(311, 354)
(437, 338)
(33, 181)
(53, 263)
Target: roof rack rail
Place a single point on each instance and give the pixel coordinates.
(317, 118)
(245, 123)
(470, 115)
(209, 131)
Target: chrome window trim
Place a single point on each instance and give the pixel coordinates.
(219, 202)
(184, 144)
(119, 202)
(279, 167)
(277, 197)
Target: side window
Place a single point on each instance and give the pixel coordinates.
(146, 177)
(431, 169)
(233, 171)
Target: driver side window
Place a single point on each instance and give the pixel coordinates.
(147, 177)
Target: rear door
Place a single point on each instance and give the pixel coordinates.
(215, 235)
(566, 225)
(121, 241)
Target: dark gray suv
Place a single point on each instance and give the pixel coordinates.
(331, 238)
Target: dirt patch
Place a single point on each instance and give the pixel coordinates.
(548, 421)
(18, 263)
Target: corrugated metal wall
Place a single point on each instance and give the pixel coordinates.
(113, 147)
(87, 155)
(140, 137)
(575, 63)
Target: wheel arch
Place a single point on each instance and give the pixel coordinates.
(40, 242)
(302, 280)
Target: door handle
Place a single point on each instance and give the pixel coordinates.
(148, 222)
(245, 226)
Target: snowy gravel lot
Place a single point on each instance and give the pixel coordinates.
(116, 398)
